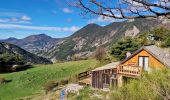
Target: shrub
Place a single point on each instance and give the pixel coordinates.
(64, 82)
(7, 60)
(153, 86)
(161, 37)
(73, 79)
(85, 93)
(100, 53)
(2, 80)
(19, 67)
(166, 43)
(50, 85)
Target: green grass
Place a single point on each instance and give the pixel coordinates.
(152, 86)
(89, 94)
(31, 81)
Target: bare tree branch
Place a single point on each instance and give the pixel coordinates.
(125, 9)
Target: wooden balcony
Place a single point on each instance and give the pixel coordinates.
(129, 70)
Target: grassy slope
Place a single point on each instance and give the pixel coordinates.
(29, 82)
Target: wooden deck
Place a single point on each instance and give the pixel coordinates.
(84, 78)
(129, 70)
(105, 77)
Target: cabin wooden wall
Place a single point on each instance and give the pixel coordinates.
(97, 79)
(101, 77)
(153, 62)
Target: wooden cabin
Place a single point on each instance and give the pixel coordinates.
(101, 76)
(146, 58)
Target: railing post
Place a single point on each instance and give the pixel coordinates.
(120, 80)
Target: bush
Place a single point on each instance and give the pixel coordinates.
(166, 43)
(85, 94)
(7, 61)
(19, 67)
(2, 80)
(161, 37)
(153, 86)
(50, 85)
(100, 53)
(64, 82)
(73, 79)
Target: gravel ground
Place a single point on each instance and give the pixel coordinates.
(73, 88)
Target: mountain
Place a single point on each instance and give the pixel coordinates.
(11, 40)
(84, 42)
(35, 43)
(6, 48)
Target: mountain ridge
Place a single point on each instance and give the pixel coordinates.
(33, 43)
(85, 41)
(25, 55)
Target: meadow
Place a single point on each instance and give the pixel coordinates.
(152, 86)
(31, 81)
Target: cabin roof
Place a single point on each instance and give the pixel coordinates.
(163, 55)
(108, 66)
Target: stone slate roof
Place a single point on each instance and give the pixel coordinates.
(108, 66)
(162, 55)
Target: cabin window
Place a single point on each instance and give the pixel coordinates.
(143, 61)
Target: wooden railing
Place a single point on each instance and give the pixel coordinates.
(129, 70)
(106, 85)
(83, 75)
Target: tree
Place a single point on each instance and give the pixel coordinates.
(100, 53)
(125, 9)
(158, 36)
(119, 49)
(161, 33)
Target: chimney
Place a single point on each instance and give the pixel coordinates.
(167, 54)
(128, 54)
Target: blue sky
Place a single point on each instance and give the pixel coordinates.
(21, 18)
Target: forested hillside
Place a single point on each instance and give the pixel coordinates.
(11, 54)
(158, 36)
(84, 42)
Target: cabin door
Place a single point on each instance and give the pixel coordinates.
(144, 62)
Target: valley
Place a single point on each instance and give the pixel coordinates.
(7, 49)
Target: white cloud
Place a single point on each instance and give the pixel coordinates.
(14, 21)
(40, 28)
(67, 10)
(102, 19)
(14, 17)
(22, 22)
(4, 20)
(25, 18)
(105, 19)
